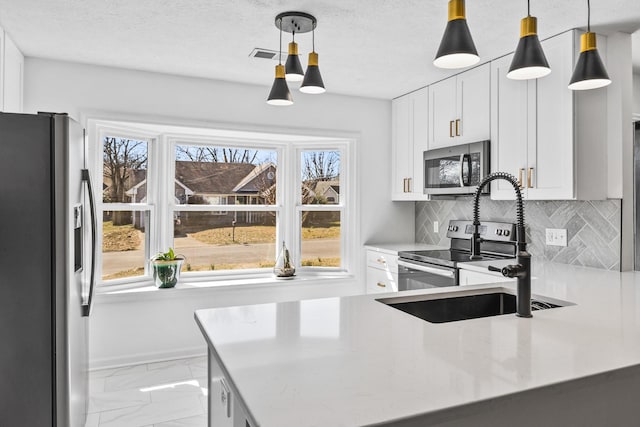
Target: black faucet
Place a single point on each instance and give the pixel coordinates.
(522, 269)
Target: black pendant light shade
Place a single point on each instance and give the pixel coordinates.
(457, 49)
(590, 72)
(529, 61)
(312, 82)
(293, 68)
(280, 94)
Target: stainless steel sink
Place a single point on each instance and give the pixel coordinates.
(464, 305)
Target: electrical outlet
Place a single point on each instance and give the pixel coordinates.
(436, 226)
(556, 236)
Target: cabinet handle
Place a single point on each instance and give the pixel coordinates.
(408, 185)
(381, 285)
(225, 397)
(451, 129)
(404, 185)
(381, 261)
(529, 174)
(520, 172)
(457, 127)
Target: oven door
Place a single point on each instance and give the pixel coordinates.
(413, 275)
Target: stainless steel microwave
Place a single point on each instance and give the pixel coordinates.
(456, 170)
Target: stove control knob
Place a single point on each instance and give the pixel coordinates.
(506, 233)
(499, 232)
(455, 228)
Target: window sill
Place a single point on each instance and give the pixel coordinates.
(147, 290)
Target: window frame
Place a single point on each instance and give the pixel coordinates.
(288, 207)
(151, 227)
(341, 206)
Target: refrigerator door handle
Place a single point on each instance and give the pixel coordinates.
(86, 307)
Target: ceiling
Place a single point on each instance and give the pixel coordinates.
(371, 48)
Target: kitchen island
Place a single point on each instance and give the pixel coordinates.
(354, 361)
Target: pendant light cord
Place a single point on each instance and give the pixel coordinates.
(280, 51)
(313, 39)
(588, 16)
(528, 7)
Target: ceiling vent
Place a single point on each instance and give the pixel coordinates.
(266, 54)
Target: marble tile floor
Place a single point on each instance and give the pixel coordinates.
(161, 394)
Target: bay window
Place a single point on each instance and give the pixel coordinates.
(225, 202)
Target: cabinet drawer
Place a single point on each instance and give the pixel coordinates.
(382, 261)
(381, 281)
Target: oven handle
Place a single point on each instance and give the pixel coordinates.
(425, 269)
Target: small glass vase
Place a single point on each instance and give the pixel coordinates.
(166, 273)
(284, 264)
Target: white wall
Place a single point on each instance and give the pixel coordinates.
(620, 137)
(139, 328)
(636, 94)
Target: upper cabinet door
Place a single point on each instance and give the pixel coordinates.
(420, 127)
(473, 119)
(442, 117)
(459, 108)
(401, 147)
(509, 127)
(410, 132)
(550, 169)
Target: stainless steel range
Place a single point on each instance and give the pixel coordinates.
(438, 268)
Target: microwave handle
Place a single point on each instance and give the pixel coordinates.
(465, 179)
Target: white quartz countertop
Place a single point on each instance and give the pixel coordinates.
(354, 361)
(394, 248)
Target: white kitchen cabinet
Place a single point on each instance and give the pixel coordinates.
(459, 108)
(551, 138)
(382, 272)
(468, 277)
(409, 141)
(225, 410)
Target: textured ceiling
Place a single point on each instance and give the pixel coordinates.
(372, 48)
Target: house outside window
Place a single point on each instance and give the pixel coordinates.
(226, 204)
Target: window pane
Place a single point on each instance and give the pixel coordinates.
(320, 239)
(210, 175)
(320, 177)
(124, 244)
(124, 170)
(234, 240)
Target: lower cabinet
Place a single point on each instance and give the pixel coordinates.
(382, 272)
(468, 277)
(224, 408)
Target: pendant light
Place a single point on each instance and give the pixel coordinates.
(280, 94)
(312, 82)
(590, 72)
(457, 49)
(292, 68)
(529, 61)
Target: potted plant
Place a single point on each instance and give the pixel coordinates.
(166, 268)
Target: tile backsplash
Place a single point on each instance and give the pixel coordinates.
(593, 227)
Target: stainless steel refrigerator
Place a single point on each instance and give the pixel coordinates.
(47, 247)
